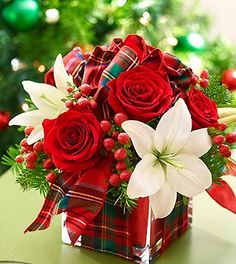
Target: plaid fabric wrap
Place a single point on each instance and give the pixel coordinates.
(125, 234)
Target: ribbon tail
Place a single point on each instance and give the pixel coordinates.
(223, 195)
(56, 193)
(85, 200)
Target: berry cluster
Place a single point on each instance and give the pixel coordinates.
(202, 81)
(33, 155)
(224, 140)
(118, 143)
(79, 96)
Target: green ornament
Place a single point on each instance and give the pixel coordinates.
(22, 15)
(190, 42)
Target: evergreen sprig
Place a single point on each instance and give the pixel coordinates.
(119, 195)
(218, 93)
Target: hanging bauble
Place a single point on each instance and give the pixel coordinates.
(22, 15)
(229, 78)
(190, 42)
(52, 16)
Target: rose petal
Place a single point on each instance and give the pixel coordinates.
(198, 143)
(190, 180)
(174, 128)
(147, 177)
(163, 202)
(141, 136)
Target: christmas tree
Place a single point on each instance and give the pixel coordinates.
(33, 32)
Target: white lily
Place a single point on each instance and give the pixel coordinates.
(48, 100)
(170, 160)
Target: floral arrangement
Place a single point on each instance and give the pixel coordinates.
(126, 121)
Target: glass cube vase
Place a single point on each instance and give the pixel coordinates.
(135, 236)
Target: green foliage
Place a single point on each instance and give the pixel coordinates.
(215, 162)
(218, 93)
(119, 194)
(28, 179)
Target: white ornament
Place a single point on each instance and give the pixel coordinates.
(52, 16)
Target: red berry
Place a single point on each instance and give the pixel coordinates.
(218, 139)
(69, 103)
(51, 177)
(204, 74)
(204, 83)
(83, 102)
(125, 175)
(120, 154)
(120, 166)
(19, 159)
(77, 95)
(194, 80)
(115, 134)
(30, 165)
(123, 138)
(106, 126)
(70, 89)
(48, 164)
(109, 143)
(114, 179)
(120, 118)
(224, 149)
(231, 137)
(227, 154)
(85, 89)
(222, 126)
(28, 130)
(24, 144)
(38, 146)
(93, 104)
(31, 157)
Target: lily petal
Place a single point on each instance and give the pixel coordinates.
(163, 202)
(44, 96)
(198, 143)
(173, 129)
(35, 135)
(60, 75)
(32, 118)
(147, 178)
(141, 136)
(190, 180)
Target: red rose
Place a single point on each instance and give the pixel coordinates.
(203, 110)
(140, 93)
(73, 140)
(4, 119)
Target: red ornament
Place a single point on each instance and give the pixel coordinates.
(4, 119)
(106, 126)
(231, 137)
(218, 139)
(123, 138)
(114, 179)
(120, 118)
(120, 154)
(229, 78)
(109, 144)
(125, 175)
